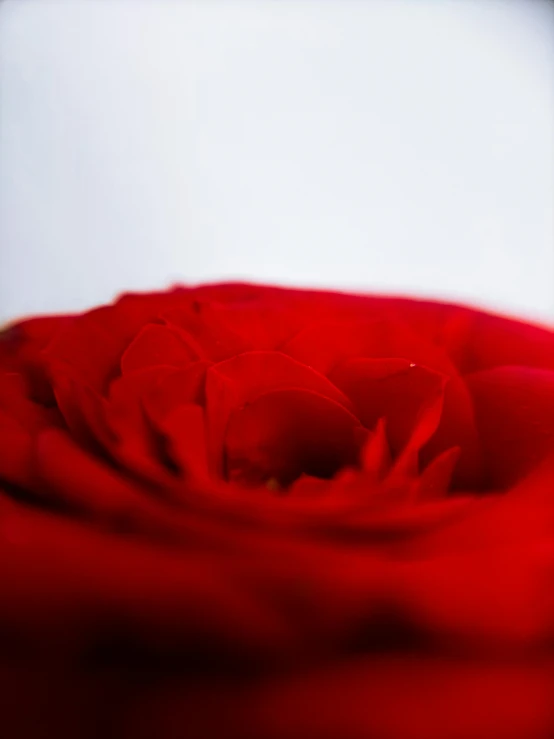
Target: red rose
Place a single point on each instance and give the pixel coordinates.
(247, 512)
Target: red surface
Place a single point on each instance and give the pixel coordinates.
(241, 511)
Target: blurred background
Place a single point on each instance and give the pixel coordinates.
(378, 145)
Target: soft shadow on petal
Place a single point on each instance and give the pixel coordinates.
(287, 432)
(233, 383)
(515, 416)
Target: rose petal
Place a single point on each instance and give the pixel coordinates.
(176, 388)
(479, 341)
(66, 588)
(16, 455)
(89, 347)
(185, 431)
(393, 389)
(218, 339)
(287, 432)
(375, 456)
(515, 416)
(79, 482)
(255, 373)
(239, 380)
(158, 345)
(435, 479)
(402, 698)
(324, 345)
(83, 410)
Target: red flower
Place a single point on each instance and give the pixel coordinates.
(240, 512)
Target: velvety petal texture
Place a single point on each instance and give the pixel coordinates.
(249, 512)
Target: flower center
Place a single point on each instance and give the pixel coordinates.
(286, 433)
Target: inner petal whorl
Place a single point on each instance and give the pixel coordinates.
(285, 433)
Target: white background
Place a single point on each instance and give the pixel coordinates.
(380, 145)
